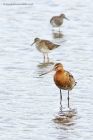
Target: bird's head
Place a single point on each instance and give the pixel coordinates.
(56, 67)
(35, 41)
(63, 16)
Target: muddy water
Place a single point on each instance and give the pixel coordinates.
(28, 103)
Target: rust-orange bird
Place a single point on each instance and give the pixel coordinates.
(63, 80)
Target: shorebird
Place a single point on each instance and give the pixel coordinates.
(57, 21)
(63, 80)
(44, 46)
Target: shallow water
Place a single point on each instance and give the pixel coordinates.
(28, 102)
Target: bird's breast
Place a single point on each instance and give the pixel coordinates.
(41, 47)
(56, 22)
(62, 81)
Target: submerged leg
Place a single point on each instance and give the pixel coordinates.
(60, 100)
(68, 98)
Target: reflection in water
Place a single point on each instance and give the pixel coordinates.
(65, 117)
(43, 65)
(63, 120)
(57, 34)
(63, 130)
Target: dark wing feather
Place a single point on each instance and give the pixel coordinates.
(53, 18)
(56, 20)
(50, 45)
(71, 78)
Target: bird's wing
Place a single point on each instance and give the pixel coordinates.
(53, 18)
(56, 20)
(70, 76)
(50, 45)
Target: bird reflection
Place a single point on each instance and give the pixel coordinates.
(67, 117)
(44, 65)
(57, 34)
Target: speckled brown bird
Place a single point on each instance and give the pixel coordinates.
(57, 21)
(44, 46)
(63, 80)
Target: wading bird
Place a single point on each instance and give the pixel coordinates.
(57, 21)
(44, 46)
(63, 80)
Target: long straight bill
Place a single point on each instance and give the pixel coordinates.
(66, 18)
(32, 43)
(46, 72)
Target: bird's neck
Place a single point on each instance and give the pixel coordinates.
(58, 75)
(61, 18)
(60, 71)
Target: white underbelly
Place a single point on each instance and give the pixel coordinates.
(43, 49)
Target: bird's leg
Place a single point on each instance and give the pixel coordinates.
(59, 33)
(44, 57)
(47, 58)
(60, 100)
(53, 30)
(68, 98)
(59, 30)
